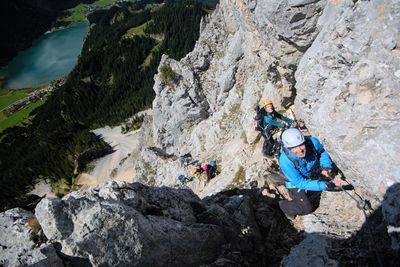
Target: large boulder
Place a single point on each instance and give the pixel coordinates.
(22, 243)
(135, 225)
(123, 224)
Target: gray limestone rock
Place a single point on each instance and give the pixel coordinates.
(337, 61)
(246, 51)
(312, 251)
(132, 224)
(180, 105)
(124, 224)
(347, 90)
(20, 243)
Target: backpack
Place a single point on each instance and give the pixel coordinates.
(309, 145)
(182, 178)
(260, 112)
(213, 163)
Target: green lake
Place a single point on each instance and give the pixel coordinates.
(52, 56)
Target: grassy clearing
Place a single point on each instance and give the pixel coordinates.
(18, 117)
(62, 187)
(153, 7)
(76, 14)
(136, 31)
(104, 3)
(7, 97)
(79, 12)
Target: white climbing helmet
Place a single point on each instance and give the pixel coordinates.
(292, 137)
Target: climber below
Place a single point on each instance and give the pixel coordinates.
(266, 120)
(209, 168)
(302, 160)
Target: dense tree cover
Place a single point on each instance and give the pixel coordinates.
(209, 3)
(178, 40)
(108, 85)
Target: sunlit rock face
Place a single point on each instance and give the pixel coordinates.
(22, 241)
(126, 224)
(347, 90)
(336, 61)
(247, 50)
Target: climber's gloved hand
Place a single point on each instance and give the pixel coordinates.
(336, 183)
(330, 186)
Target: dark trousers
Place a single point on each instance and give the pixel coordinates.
(268, 146)
(210, 172)
(299, 205)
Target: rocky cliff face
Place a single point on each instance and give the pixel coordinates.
(336, 61)
(246, 51)
(347, 90)
(333, 64)
(121, 224)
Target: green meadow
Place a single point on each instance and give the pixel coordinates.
(8, 97)
(19, 117)
(76, 14)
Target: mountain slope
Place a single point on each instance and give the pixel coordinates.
(108, 85)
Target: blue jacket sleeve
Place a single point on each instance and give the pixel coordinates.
(296, 179)
(324, 160)
(286, 119)
(268, 120)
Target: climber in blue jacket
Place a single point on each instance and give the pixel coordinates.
(302, 160)
(267, 121)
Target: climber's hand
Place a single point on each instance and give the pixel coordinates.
(338, 182)
(326, 172)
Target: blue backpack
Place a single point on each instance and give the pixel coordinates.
(213, 163)
(182, 178)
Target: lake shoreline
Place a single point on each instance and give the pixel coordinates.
(51, 56)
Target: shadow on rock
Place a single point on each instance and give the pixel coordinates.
(375, 244)
(256, 230)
